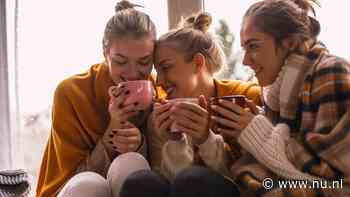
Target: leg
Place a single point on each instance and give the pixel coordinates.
(122, 166)
(145, 183)
(202, 182)
(87, 184)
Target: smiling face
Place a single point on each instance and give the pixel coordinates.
(262, 53)
(178, 77)
(130, 59)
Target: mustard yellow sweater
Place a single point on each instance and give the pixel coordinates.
(80, 118)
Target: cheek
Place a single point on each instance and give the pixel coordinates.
(115, 71)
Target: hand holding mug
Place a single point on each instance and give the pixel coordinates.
(128, 138)
(129, 98)
(229, 114)
(191, 119)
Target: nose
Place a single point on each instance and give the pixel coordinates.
(247, 59)
(132, 73)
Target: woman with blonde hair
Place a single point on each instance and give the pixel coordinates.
(304, 133)
(94, 137)
(193, 161)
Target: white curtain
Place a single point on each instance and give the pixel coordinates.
(5, 130)
(9, 111)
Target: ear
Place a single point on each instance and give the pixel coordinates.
(199, 61)
(290, 44)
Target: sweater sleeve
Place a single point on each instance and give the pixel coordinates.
(267, 143)
(213, 153)
(176, 156)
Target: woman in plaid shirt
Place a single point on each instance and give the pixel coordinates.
(303, 133)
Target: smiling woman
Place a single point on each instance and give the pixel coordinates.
(64, 47)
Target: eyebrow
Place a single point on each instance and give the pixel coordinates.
(163, 61)
(250, 41)
(142, 58)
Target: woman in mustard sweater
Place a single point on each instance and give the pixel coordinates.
(186, 60)
(89, 126)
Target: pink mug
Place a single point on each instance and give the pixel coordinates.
(141, 93)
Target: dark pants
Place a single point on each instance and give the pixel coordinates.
(191, 182)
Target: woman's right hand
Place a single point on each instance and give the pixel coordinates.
(117, 110)
(161, 118)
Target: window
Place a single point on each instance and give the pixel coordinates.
(331, 14)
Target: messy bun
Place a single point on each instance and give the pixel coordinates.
(127, 22)
(286, 19)
(192, 37)
(201, 22)
(306, 5)
(124, 4)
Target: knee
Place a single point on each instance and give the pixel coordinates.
(145, 183)
(122, 166)
(87, 184)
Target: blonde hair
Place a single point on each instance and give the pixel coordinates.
(127, 22)
(192, 37)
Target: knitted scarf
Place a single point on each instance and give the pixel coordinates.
(268, 142)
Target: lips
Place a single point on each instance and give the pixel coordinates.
(257, 69)
(169, 90)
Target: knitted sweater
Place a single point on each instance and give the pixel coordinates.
(214, 152)
(316, 146)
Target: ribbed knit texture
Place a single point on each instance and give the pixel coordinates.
(14, 183)
(268, 145)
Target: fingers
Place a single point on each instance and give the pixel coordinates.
(164, 126)
(193, 133)
(227, 123)
(126, 140)
(161, 108)
(123, 113)
(203, 102)
(224, 112)
(191, 107)
(191, 111)
(115, 91)
(230, 105)
(252, 106)
(181, 120)
(161, 114)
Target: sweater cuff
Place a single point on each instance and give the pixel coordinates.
(258, 130)
(208, 145)
(176, 155)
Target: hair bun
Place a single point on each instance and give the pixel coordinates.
(306, 5)
(202, 21)
(124, 4)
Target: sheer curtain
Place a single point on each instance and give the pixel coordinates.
(9, 111)
(5, 131)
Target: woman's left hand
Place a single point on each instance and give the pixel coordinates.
(233, 117)
(191, 119)
(127, 139)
